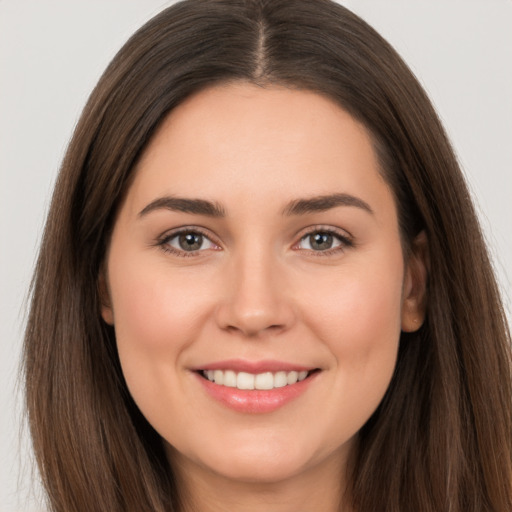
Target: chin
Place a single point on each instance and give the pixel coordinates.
(265, 463)
(265, 469)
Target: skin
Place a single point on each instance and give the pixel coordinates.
(257, 289)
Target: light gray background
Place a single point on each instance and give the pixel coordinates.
(52, 53)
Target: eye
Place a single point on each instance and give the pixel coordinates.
(187, 241)
(323, 241)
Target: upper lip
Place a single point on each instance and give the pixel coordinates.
(241, 365)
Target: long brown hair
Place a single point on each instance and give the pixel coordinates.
(441, 438)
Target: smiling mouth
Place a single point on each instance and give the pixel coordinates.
(259, 381)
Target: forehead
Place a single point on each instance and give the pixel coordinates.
(245, 142)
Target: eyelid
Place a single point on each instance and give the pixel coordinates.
(345, 238)
(163, 240)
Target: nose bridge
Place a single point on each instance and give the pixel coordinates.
(256, 300)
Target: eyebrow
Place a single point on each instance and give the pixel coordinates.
(180, 204)
(296, 207)
(324, 203)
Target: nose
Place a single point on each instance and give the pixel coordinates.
(256, 301)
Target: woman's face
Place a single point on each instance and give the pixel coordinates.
(258, 246)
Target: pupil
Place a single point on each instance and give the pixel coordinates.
(321, 241)
(191, 241)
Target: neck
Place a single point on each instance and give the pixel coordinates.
(320, 488)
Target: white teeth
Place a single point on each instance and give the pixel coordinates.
(264, 381)
(218, 376)
(244, 380)
(229, 379)
(280, 379)
(292, 377)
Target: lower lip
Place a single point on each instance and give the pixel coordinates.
(255, 400)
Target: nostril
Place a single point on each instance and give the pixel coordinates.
(253, 329)
(254, 304)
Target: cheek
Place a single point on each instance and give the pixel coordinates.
(156, 317)
(153, 311)
(358, 317)
(358, 309)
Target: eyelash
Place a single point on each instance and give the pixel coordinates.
(345, 241)
(163, 242)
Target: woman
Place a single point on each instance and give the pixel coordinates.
(262, 283)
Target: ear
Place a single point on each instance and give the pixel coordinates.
(414, 296)
(107, 313)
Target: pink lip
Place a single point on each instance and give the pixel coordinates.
(254, 401)
(241, 365)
